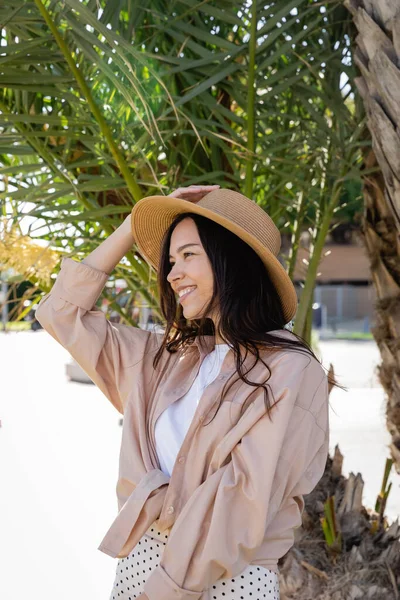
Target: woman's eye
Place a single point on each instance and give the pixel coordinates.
(171, 264)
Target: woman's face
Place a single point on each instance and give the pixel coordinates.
(190, 268)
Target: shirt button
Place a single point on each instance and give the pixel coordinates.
(170, 510)
(201, 418)
(181, 459)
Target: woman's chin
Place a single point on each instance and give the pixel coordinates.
(191, 314)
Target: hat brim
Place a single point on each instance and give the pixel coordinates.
(152, 216)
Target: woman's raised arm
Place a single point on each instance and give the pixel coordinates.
(108, 254)
(110, 353)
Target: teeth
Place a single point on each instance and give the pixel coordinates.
(188, 289)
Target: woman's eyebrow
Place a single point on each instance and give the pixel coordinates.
(183, 247)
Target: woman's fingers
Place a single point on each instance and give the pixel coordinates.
(193, 193)
(194, 189)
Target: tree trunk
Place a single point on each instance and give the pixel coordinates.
(364, 565)
(378, 57)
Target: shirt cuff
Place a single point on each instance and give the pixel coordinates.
(159, 586)
(79, 284)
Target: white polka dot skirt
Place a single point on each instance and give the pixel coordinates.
(254, 583)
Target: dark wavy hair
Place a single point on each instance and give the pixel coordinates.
(247, 302)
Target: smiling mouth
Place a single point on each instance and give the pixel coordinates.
(182, 298)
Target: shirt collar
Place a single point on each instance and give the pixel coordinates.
(208, 341)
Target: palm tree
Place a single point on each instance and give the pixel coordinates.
(371, 568)
(356, 552)
(378, 57)
(101, 107)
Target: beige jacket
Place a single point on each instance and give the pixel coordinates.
(235, 495)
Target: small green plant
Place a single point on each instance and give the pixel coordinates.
(382, 497)
(332, 535)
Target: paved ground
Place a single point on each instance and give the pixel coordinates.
(59, 446)
(357, 417)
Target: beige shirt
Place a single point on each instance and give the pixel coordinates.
(235, 495)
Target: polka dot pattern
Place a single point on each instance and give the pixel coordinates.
(254, 583)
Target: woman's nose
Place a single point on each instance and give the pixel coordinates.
(175, 273)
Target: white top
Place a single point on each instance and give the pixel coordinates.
(172, 425)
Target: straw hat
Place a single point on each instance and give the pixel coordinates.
(151, 217)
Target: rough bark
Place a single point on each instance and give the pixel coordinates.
(365, 565)
(378, 57)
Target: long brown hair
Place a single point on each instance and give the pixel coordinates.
(247, 303)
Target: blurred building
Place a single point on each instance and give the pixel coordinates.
(344, 284)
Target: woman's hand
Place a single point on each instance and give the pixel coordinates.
(193, 193)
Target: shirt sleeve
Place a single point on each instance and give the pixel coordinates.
(226, 519)
(103, 349)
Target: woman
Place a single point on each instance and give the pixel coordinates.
(225, 414)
